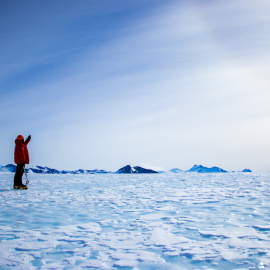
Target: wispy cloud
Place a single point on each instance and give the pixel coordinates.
(171, 86)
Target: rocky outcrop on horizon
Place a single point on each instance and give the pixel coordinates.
(247, 170)
(8, 168)
(202, 169)
(137, 169)
(47, 170)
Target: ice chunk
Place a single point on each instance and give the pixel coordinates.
(160, 237)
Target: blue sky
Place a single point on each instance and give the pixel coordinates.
(161, 84)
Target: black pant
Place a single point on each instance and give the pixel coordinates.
(19, 174)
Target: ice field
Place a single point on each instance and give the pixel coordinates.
(158, 221)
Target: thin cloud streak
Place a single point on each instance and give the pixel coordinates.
(167, 91)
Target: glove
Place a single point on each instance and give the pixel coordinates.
(28, 138)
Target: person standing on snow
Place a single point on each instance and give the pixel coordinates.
(21, 157)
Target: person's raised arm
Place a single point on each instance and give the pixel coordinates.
(27, 140)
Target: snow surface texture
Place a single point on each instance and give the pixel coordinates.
(182, 221)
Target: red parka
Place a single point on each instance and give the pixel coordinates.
(21, 152)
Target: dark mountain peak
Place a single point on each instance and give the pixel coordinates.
(136, 169)
(196, 168)
(41, 168)
(126, 169)
(247, 170)
(8, 168)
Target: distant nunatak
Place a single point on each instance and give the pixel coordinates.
(125, 170)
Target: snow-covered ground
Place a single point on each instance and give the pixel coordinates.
(164, 221)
